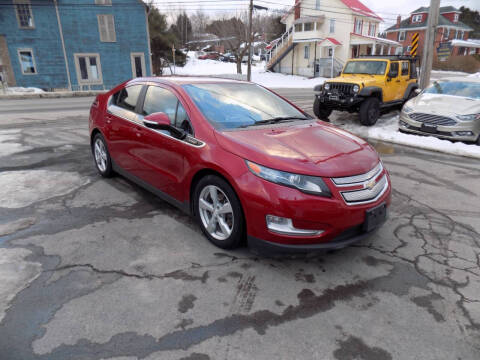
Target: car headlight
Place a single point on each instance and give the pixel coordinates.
(407, 109)
(326, 86)
(468, 117)
(356, 88)
(307, 184)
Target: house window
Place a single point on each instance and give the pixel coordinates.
(459, 34)
(332, 26)
(317, 4)
(306, 54)
(298, 27)
(106, 28)
(358, 26)
(401, 36)
(308, 27)
(24, 13)
(27, 61)
(138, 64)
(371, 29)
(103, 2)
(89, 69)
(455, 18)
(417, 18)
(446, 33)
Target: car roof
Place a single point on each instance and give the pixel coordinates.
(183, 80)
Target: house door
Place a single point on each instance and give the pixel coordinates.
(138, 64)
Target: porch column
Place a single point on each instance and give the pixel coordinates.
(381, 50)
(333, 55)
(389, 47)
(374, 49)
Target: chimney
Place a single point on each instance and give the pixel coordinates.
(399, 19)
(297, 9)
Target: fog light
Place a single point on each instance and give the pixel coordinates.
(403, 123)
(285, 226)
(464, 133)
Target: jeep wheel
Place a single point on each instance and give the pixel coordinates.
(320, 111)
(370, 111)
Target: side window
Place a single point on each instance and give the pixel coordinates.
(182, 121)
(393, 69)
(127, 98)
(405, 68)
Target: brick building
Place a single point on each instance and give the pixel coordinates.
(78, 44)
(452, 37)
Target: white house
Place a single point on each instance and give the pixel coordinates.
(323, 34)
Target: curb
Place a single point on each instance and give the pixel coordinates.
(52, 95)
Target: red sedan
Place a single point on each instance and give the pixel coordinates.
(246, 163)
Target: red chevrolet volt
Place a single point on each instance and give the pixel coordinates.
(245, 162)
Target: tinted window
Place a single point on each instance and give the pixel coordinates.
(365, 67)
(127, 98)
(404, 68)
(393, 69)
(158, 99)
(231, 105)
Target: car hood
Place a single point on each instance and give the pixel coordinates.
(313, 148)
(445, 105)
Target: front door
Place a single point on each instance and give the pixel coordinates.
(138, 65)
(160, 155)
(392, 83)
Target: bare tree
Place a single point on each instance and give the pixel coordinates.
(199, 21)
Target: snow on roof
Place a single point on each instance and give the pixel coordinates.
(360, 8)
(466, 43)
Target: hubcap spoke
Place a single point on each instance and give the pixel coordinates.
(214, 195)
(212, 224)
(204, 204)
(224, 227)
(225, 209)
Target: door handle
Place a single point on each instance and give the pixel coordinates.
(138, 131)
(398, 80)
(109, 118)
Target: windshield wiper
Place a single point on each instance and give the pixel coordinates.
(278, 119)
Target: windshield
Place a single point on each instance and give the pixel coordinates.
(231, 106)
(365, 67)
(455, 88)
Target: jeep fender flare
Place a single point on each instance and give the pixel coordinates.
(409, 89)
(372, 91)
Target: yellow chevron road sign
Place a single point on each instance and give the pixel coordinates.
(413, 51)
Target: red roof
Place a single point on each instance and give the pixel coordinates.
(332, 40)
(358, 7)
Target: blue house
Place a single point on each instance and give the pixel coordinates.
(73, 44)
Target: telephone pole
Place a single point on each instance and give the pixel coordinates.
(249, 66)
(429, 46)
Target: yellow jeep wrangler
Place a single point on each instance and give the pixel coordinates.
(368, 85)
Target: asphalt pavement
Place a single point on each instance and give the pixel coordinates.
(94, 268)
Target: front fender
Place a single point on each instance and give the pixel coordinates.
(371, 90)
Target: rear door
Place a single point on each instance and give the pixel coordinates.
(161, 156)
(404, 77)
(122, 118)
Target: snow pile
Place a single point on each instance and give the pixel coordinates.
(197, 67)
(22, 90)
(386, 129)
(477, 75)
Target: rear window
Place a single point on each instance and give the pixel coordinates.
(128, 97)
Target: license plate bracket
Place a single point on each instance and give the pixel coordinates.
(374, 217)
(334, 97)
(429, 128)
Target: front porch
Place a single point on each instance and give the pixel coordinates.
(368, 45)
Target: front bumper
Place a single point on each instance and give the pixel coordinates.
(341, 224)
(407, 124)
(344, 102)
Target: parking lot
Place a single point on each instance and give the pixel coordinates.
(95, 268)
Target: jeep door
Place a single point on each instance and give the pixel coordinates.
(404, 77)
(392, 83)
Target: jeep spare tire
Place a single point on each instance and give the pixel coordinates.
(320, 110)
(369, 111)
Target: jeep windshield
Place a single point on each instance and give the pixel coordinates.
(365, 67)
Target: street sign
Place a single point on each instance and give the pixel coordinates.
(444, 50)
(413, 51)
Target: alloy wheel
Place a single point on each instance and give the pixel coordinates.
(216, 212)
(101, 156)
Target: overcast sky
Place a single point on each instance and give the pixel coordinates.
(387, 9)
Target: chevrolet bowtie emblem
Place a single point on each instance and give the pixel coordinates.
(370, 184)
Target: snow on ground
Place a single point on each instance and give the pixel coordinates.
(259, 75)
(22, 90)
(386, 129)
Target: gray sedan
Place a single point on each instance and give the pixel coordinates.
(448, 109)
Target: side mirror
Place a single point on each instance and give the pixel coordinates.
(161, 121)
(392, 74)
(417, 91)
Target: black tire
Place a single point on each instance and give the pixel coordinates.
(103, 168)
(320, 111)
(237, 223)
(478, 140)
(369, 111)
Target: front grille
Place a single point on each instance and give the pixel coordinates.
(370, 191)
(341, 89)
(433, 119)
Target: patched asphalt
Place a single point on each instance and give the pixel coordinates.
(94, 268)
